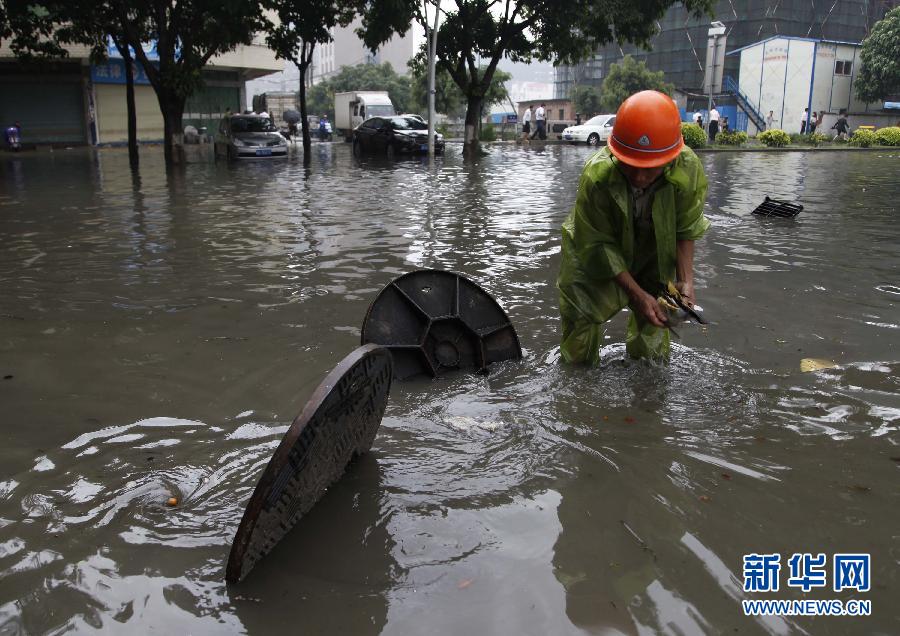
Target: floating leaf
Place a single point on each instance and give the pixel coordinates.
(816, 364)
(465, 583)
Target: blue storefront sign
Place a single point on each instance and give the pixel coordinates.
(149, 50)
(113, 72)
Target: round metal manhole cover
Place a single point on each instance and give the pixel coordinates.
(435, 321)
(339, 422)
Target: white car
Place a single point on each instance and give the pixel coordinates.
(592, 132)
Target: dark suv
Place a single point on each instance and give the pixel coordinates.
(394, 135)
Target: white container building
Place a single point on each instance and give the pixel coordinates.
(788, 74)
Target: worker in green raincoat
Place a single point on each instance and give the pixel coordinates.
(638, 212)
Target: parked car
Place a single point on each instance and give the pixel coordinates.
(249, 136)
(594, 131)
(394, 135)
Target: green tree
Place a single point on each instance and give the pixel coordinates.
(301, 25)
(362, 77)
(187, 34)
(449, 99)
(628, 77)
(476, 34)
(586, 100)
(879, 75)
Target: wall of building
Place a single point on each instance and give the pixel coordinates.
(71, 101)
(347, 49)
(787, 75)
(112, 114)
(679, 48)
(50, 106)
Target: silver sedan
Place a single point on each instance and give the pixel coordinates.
(594, 131)
(249, 136)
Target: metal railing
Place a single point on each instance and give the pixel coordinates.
(744, 102)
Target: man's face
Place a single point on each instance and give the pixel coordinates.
(640, 177)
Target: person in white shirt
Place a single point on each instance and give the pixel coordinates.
(770, 120)
(526, 124)
(540, 121)
(713, 124)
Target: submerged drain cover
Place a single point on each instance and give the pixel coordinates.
(339, 421)
(435, 321)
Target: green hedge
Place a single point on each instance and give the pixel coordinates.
(863, 138)
(889, 136)
(694, 137)
(774, 138)
(732, 138)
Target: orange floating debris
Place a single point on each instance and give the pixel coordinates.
(172, 501)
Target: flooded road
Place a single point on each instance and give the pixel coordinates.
(158, 335)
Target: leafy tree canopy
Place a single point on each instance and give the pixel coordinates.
(362, 77)
(879, 75)
(448, 98)
(586, 100)
(627, 78)
(476, 34)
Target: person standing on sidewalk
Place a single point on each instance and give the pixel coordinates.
(713, 124)
(770, 120)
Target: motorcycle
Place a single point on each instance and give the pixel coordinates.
(13, 138)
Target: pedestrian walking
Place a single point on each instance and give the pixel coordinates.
(540, 123)
(713, 124)
(841, 126)
(770, 120)
(803, 124)
(638, 211)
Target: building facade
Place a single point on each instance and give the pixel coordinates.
(72, 101)
(786, 75)
(347, 49)
(679, 47)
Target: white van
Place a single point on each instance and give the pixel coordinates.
(353, 108)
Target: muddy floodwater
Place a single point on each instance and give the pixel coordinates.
(158, 335)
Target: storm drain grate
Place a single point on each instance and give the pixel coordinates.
(782, 209)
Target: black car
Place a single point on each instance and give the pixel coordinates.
(394, 135)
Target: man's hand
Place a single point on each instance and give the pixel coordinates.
(646, 305)
(686, 288)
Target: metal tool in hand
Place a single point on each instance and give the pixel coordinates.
(677, 310)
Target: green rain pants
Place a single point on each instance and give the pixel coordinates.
(583, 337)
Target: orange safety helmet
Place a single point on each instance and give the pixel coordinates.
(647, 132)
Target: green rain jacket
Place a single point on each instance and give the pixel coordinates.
(598, 244)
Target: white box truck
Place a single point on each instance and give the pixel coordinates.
(353, 108)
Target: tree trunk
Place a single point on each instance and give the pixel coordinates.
(473, 110)
(304, 122)
(129, 100)
(172, 108)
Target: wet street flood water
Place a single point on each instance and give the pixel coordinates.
(158, 335)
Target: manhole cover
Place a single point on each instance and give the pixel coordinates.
(339, 421)
(435, 321)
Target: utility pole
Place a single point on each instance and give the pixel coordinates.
(713, 75)
(432, 52)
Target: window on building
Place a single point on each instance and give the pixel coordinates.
(843, 67)
(562, 113)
